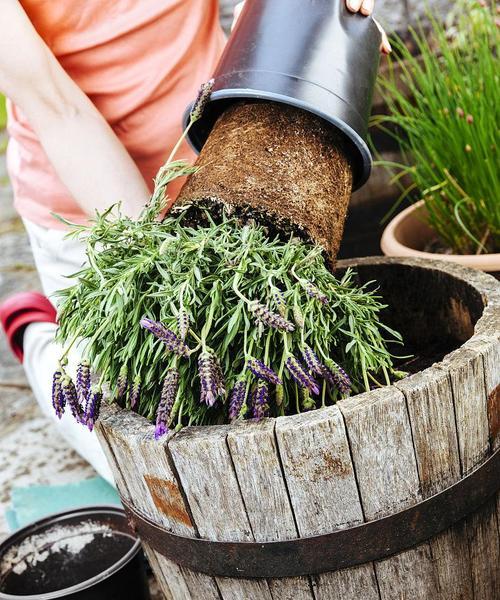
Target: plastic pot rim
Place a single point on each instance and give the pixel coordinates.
(246, 93)
(87, 583)
(391, 245)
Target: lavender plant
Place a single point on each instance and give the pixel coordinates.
(208, 322)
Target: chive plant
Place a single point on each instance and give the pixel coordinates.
(212, 320)
(443, 111)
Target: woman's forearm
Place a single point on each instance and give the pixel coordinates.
(90, 160)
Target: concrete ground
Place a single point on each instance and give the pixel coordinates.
(31, 450)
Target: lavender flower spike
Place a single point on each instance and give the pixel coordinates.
(58, 399)
(210, 386)
(135, 392)
(219, 376)
(237, 399)
(83, 382)
(336, 375)
(183, 323)
(167, 336)
(298, 317)
(260, 401)
(168, 396)
(70, 396)
(201, 100)
(262, 371)
(314, 292)
(122, 383)
(312, 361)
(265, 316)
(303, 378)
(93, 408)
(280, 301)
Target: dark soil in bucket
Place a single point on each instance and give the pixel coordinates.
(61, 556)
(279, 165)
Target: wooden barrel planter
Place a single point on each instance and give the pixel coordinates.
(391, 494)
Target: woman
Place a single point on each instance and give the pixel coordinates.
(96, 91)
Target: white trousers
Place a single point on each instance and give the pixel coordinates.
(56, 259)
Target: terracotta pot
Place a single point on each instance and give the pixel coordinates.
(408, 233)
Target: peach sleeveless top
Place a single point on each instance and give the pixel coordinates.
(140, 62)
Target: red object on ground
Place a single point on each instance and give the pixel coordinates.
(18, 311)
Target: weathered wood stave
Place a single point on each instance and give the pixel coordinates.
(328, 469)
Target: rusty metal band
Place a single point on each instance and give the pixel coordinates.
(330, 552)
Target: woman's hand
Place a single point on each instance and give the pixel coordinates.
(365, 7)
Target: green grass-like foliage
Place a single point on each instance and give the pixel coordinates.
(447, 126)
(213, 272)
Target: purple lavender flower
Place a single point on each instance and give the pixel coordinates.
(183, 324)
(312, 361)
(93, 408)
(336, 375)
(298, 317)
(168, 395)
(301, 376)
(58, 399)
(260, 400)
(135, 392)
(83, 380)
(70, 396)
(122, 383)
(237, 399)
(201, 100)
(219, 376)
(314, 292)
(167, 336)
(265, 316)
(210, 384)
(262, 371)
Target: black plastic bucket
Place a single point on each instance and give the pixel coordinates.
(312, 54)
(81, 554)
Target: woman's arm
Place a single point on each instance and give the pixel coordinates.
(86, 154)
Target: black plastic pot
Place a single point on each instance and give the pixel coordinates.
(81, 554)
(312, 54)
